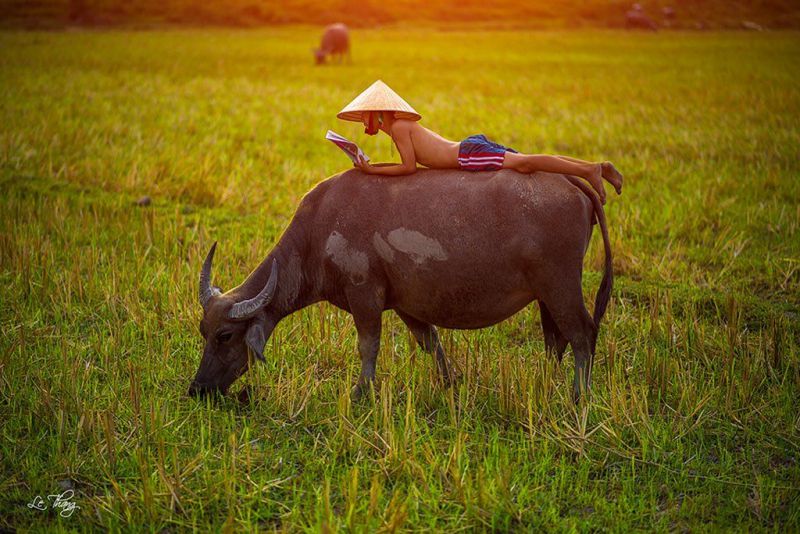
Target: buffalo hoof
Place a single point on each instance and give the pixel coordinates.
(580, 396)
(245, 396)
(452, 379)
(361, 390)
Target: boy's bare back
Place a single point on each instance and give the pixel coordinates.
(429, 148)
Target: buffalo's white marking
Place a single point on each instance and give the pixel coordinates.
(420, 247)
(382, 248)
(352, 262)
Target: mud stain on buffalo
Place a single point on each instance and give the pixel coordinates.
(419, 247)
(382, 248)
(352, 262)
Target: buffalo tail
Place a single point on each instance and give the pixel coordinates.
(604, 291)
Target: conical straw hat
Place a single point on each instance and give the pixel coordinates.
(378, 97)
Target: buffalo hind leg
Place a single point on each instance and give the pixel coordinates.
(573, 320)
(554, 342)
(428, 338)
(366, 311)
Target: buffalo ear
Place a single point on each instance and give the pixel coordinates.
(256, 338)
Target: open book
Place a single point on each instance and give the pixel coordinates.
(350, 148)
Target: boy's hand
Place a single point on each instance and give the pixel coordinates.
(363, 165)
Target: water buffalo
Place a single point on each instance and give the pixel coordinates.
(636, 18)
(440, 247)
(335, 42)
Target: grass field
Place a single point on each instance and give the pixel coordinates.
(693, 422)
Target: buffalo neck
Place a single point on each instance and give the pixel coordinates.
(293, 290)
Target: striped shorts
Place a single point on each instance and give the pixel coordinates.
(476, 153)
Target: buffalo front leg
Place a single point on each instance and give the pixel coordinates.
(428, 338)
(554, 342)
(366, 310)
(369, 342)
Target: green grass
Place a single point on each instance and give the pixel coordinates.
(693, 419)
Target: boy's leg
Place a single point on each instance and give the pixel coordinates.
(528, 163)
(574, 160)
(610, 173)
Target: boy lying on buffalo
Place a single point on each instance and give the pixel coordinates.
(380, 108)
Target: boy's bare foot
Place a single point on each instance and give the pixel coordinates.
(595, 179)
(613, 176)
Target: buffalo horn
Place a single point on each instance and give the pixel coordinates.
(206, 291)
(244, 309)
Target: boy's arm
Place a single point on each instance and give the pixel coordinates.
(401, 135)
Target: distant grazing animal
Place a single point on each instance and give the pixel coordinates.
(668, 13)
(335, 42)
(636, 18)
(440, 247)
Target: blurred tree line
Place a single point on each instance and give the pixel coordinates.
(365, 13)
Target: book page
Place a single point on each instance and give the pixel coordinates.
(348, 147)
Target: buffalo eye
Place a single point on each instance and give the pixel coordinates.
(224, 337)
